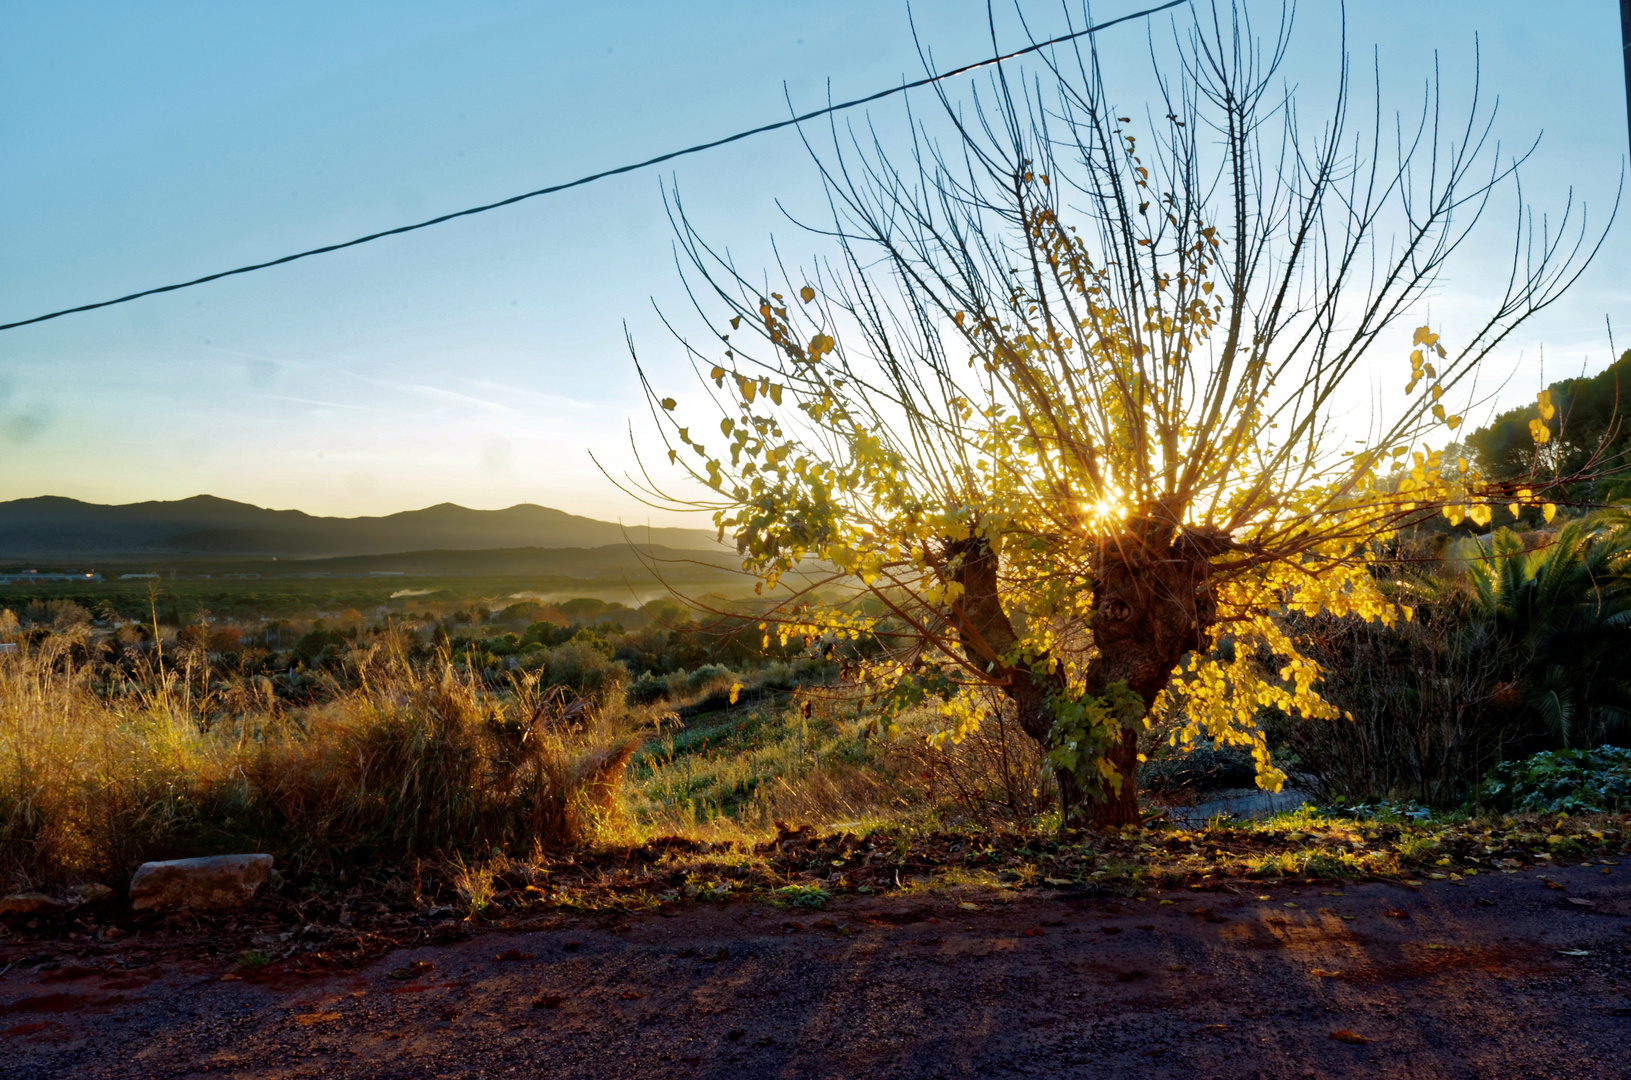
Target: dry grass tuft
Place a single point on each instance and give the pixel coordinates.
(94, 779)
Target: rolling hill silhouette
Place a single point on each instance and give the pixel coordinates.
(50, 526)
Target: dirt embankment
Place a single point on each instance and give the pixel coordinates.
(1501, 975)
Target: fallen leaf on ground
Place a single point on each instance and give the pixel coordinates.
(411, 971)
(1346, 1036)
(1324, 973)
(631, 995)
(548, 1001)
(1058, 881)
(513, 954)
(968, 907)
(1397, 914)
(316, 1018)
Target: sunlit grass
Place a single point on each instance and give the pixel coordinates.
(94, 780)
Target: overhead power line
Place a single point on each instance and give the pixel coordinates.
(592, 177)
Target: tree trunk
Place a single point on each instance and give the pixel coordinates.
(1151, 606)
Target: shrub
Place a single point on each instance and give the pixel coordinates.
(587, 672)
(648, 689)
(412, 760)
(1559, 782)
(707, 677)
(1202, 768)
(319, 646)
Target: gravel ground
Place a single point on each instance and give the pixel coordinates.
(1499, 975)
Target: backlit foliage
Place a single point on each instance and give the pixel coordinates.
(1068, 325)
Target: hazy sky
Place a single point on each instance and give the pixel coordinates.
(478, 362)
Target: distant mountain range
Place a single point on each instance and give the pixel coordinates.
(50, 527)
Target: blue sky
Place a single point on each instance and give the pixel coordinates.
(480, 361)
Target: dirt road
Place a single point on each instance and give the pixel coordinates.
(1500, 975)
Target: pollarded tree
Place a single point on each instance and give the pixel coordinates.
(1064, 399)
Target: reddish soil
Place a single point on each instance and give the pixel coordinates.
(1444, 981)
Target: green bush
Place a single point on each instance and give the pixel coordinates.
(1559, 781)
(648, 688)
(318, 646)
(588, 671)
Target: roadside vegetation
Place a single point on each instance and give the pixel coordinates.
(489, 746)
(1040, 560)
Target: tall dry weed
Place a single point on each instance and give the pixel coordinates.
(402, 760)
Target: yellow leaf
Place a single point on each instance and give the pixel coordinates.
(1479, 514)
(1547, 409)
(1539, 431)
(669, 403)
(726, 425)
(1516, 508)
(1452, 422)
(806, 294)
(717, 373)
(775, 393)
(736, 692)
(1421, 334)
(1415, 359)
(1456, 514)
(1438, 410)
(1438, 391)
(1548, 511)
(736, 321)
(958, 318)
